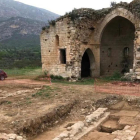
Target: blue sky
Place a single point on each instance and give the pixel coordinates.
(62, 6)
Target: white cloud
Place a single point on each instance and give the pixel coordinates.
(63, 6)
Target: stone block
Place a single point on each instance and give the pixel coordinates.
(77, 128)
(19, 138)
(95, 115)
(12, 136)
(3, 137)
(63, 135)
(125, 113)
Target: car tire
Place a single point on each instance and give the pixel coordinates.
(2, 78)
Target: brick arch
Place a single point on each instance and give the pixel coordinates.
(117, 12)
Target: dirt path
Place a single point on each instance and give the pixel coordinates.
(121, 88)
(23, 81)
(24, 99)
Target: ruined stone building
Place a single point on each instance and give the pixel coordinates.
(87, 42)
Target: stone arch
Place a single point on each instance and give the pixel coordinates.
(88, 63)
(117, 12)
(118, 34)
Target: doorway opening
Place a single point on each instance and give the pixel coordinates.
(88, 64)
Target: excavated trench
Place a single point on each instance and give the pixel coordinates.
(122, 113)
(110, 126)
(122, 123)
(33, 127)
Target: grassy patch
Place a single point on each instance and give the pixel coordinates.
(60, 79)
(24, 72)
(115, 77)
(46, 92)
(9, 102)
(45, 75)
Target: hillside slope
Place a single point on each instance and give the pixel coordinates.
(11, 8)
(20, 27)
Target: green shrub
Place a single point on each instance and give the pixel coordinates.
(113, 3)
(43, 28)
(115, 76)
(52, 22)
(45, 72)
(56, 77)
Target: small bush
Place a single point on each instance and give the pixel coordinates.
(73, 16)
(45, 72)
(53, 77)
(113, 3)
(52, 22)
(56, 77)
(43, 28)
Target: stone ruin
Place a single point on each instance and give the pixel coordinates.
(87, 42)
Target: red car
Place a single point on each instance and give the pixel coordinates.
(3, 75)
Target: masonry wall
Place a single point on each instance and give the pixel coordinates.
(86, 34)
(75, 38)
(50, 49)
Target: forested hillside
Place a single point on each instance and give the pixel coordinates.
(20, 27)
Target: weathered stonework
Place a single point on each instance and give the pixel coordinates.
(82, 42)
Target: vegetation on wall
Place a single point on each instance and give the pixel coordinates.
(113, 3)
(96, 15)
(52, 22)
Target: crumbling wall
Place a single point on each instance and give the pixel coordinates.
(75, 37)
(78, 31)
(136, 65)
(50, 49)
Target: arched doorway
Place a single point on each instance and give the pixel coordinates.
(116, 37)
(88, 64)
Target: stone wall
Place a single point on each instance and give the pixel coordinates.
(78, 36)
(50, 48)
(74, 37)
(136, 65)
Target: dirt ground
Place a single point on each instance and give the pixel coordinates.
(25, 99)
(21, 100)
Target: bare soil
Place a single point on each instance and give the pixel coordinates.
(18, 103)
(25, 102)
